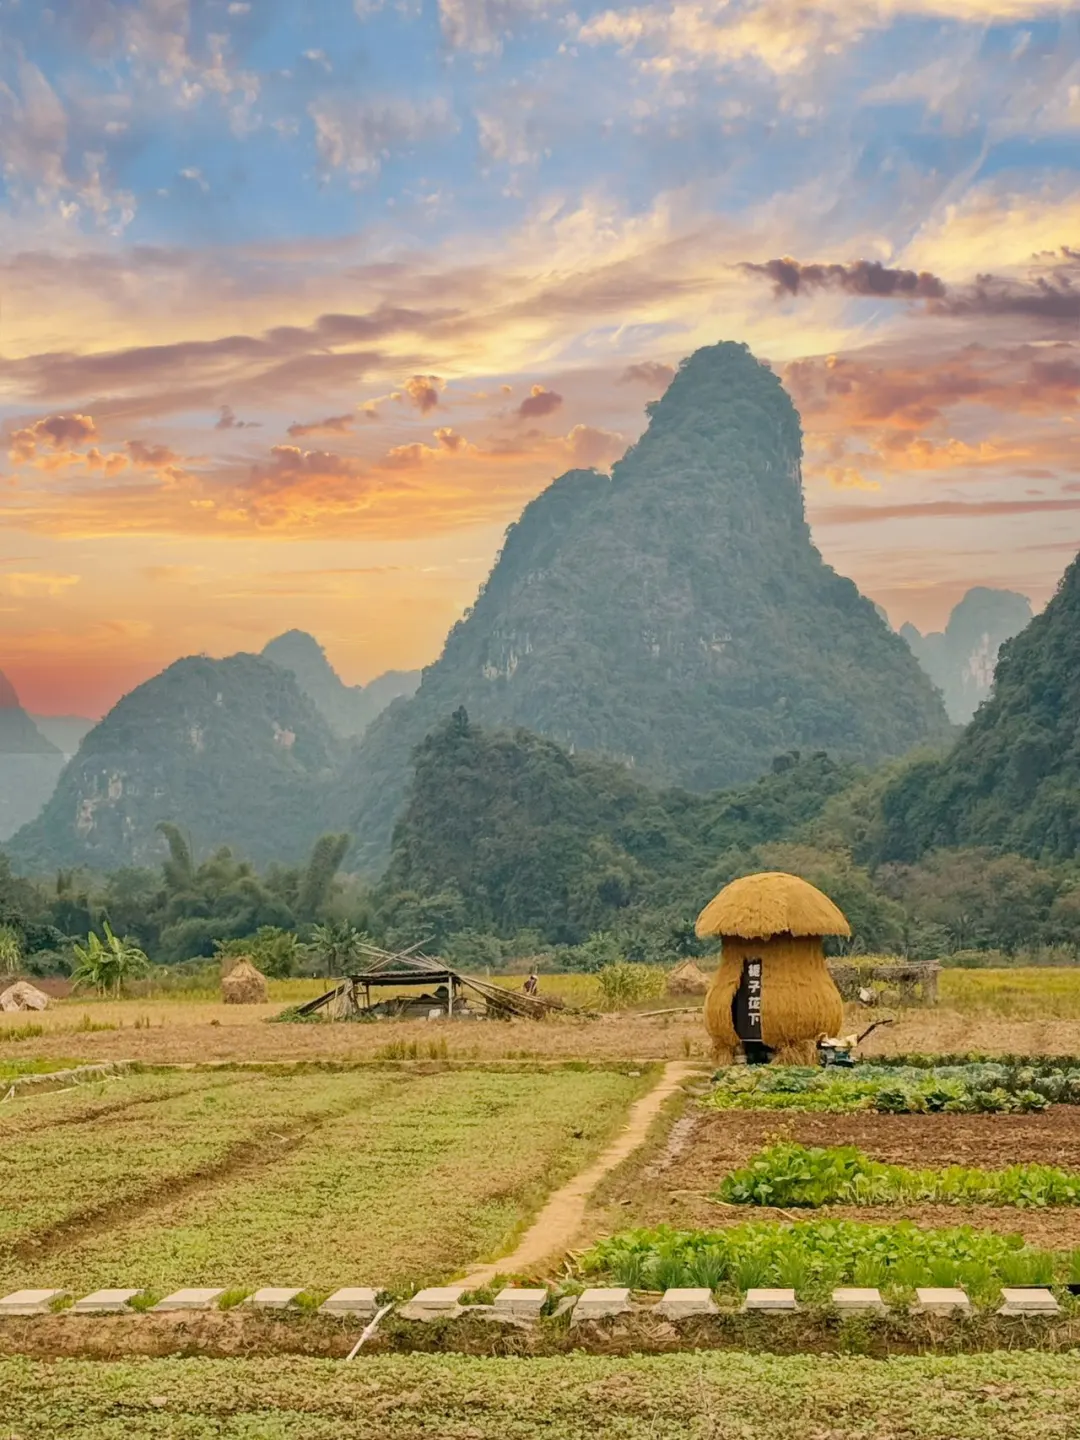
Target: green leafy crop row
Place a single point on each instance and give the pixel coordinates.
(895, 1089)
(814, 1256)
(787, 1174)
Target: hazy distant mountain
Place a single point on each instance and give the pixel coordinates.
(961, 659)
(1012, 782)
(675, 616)
(65, 731)
(229, 750)
(347, 709)
(29, 763)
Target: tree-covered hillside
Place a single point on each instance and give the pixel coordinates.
(516, 833)
(1012, 782)
(676, 616)
(228, 750)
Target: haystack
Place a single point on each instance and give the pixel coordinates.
(244, 985)
(773, 987)
(23, 996)
(687, 979)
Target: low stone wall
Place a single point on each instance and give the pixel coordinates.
(893, 983)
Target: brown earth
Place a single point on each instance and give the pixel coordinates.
(675, 1188)
(176, 1032)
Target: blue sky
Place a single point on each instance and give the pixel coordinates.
(299, 304)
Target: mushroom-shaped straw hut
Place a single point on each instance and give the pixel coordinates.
(772, 993)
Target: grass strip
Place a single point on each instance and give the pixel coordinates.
(1015, 1396)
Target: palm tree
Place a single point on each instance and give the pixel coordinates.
(107, 964)
(336, 945)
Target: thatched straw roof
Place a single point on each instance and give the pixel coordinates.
(771, 903)
(244, 985)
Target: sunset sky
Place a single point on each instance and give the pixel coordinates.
(301, 302)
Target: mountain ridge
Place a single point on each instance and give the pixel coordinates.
(347, 709)
(675, 615)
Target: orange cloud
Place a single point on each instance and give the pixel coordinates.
(423, 391)
(54, 432)
(539, 402)
(332, 425)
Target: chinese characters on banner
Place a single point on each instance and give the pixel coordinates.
(747, 1009)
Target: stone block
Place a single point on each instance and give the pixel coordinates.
(1028, 1300)
(764, 1299)
(852, 1301)
(680, 1304)
(598, 1303)
(272, 1298)
(521, 1303)
(196, 1299)
(105, 1302)
(353, 1300)
(437, 1302)
(935, 1300)
(30, 1302)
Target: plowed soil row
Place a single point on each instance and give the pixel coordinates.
(708, 1145)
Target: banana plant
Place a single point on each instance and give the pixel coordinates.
(107, 964)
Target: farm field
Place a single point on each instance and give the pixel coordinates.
(707, 1146)
(1026, 1395)
(1035, 1011)
(373, 1176)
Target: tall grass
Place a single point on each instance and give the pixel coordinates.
(1037, 993)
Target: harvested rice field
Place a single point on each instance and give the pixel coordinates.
(1026, 1395)
(381, 1175)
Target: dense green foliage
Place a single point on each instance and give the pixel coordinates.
(507, 832)
(1012, 782)
(186, 909)
(518, 834)
(675, 616)
(814, 1256)
(787, 1174)
(228, 750)
(967, 1089)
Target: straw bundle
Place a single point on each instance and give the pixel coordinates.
(799, 999)
(780, 920)
(23, 996)
(244, 985)
(687, 979)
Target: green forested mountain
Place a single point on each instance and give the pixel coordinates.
(228, 750)
(29, 763)
(507, 831)
(347, 709)
(960, 660)
(675, 617)
(1012, 782)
